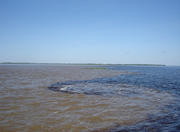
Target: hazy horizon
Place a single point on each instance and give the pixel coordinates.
(90, 31)
(84, 63)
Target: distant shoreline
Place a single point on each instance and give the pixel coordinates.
(85, 64)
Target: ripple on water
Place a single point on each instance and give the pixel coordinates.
(95, 105)
(124, 104)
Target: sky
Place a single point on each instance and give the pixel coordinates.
(90, 31)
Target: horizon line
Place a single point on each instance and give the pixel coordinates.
(145, 64)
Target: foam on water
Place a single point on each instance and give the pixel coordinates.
(98, 87)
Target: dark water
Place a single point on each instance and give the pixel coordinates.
(144, 82)
(162, 79)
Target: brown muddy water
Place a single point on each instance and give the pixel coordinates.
(27, 105)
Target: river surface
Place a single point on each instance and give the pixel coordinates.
(72, 98)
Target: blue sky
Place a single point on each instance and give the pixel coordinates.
(90, 31)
